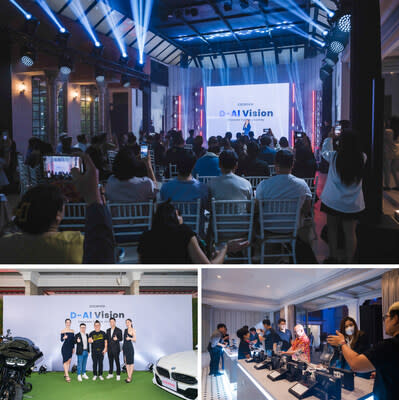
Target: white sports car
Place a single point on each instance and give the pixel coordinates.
(177, 374)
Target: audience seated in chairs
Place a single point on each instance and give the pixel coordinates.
(127, 183)
(267, 152)
(229, 186)
(305, 162)
(250, 164)
(208, 165)
(175, 153)
(38, 216)
(197, 146)
(185, 187)
(98, 154)
(284, 145)
(284, 186)
(170, 241)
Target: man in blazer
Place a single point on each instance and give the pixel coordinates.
(114, 337)
(82, 351)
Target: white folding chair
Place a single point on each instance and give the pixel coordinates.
(272, 169)
(255, 180)
(233, 219)
(278, 224)
(130, 221)
(173, 171)
(191, 213)
(74, 217)
(204, 179)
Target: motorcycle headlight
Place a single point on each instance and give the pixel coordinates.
(11, 362)
(21, 362)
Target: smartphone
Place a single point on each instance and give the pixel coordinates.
(144, 151)
(59, 167)
(299, 135)
(5, 135)
(338, 129)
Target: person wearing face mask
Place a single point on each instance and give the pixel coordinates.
(285, 334)
(300, 349)
(354, 337)
(383, 358)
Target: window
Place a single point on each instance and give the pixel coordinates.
(61, 108)
(39, 107)
(88, 110)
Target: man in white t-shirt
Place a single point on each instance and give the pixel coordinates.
(284, 185)
(229, 186)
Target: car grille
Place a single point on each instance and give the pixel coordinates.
(163, 372)
(187, 379)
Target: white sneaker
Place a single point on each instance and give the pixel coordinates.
(80, 378)
(84, 376)
(101, 378)
(109, 376)
(94, 377)
(118, 377)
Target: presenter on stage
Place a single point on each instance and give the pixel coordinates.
(247, 127)
(82, 351)
(68, 339)
(114, 337)
(98, 340)
(129, 337)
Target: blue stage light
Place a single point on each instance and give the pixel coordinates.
(79, 12)
(331, 14)
(344, 23)
(21, 10)
(324, 7)
(141, 10)
(52, 16)
(325, 33)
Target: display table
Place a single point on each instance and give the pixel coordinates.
(230, 364)
(255, 385)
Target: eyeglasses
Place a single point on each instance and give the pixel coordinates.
(384, 317)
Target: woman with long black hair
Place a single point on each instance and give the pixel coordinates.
(342, 197)
(170, 241)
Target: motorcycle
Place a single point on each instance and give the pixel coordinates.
(17, 360)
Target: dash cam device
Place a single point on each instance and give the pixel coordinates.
(144, 151)
(278, 375)
(301, 391)
(347, 377)
(295, 370)
(328, 386)
(59, 167)
(264, 365)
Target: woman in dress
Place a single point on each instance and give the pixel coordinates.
(68, 339)
(129, 337)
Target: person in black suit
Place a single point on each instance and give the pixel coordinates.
(82, 351)
(114, 337)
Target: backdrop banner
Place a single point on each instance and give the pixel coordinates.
(261, 106)
(163, 323)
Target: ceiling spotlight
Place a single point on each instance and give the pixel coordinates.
(100, 75)
(66, 65)
(227, 6)
(28, 16)
(124, 58)
(97, 44)
(344, 23)
(28, 56)
(125, 81)
(331, 14)
(336, 47)
(219, 276)
(62, 30)
(325, 33)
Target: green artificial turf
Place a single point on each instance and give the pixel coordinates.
(52, 386)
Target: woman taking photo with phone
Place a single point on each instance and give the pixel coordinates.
(342, 197)
(129, 336)
(68, 343)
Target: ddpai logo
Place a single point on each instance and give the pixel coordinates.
(96, 315)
